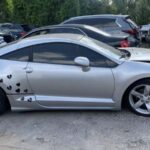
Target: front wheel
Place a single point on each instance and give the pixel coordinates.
(139, 98)
(4, 104)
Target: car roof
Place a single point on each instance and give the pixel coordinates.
(74, 37)
(111, 16)
(41, 39)
(79, 27)
(61, 25)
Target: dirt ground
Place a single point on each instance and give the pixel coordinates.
(74, 130)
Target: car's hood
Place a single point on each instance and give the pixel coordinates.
(139, 54)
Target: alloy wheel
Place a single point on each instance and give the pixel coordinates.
(139, 99)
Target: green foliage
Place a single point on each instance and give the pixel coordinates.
(68, 9)
(45, 12)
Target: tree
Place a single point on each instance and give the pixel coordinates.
(69, 8)
(46, 12)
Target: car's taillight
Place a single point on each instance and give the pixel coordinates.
(132, 32)
(125, 43)
(23, 33)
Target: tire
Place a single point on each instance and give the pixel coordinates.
(4, 104)
(138, 98)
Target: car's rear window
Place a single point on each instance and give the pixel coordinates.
(132, 23)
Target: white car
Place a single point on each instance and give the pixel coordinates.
(70, 71)
(145, 32)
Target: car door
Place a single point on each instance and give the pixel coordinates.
(13, 68)
(58, 82)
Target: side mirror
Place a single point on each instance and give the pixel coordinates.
(82, 61)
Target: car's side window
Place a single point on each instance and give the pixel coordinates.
(55, 53)
(18, 55)
(96, 59)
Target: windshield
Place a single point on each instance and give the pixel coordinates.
(102, 47)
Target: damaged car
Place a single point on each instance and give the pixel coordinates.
(71, 71)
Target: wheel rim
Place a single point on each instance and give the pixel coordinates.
(139, 99)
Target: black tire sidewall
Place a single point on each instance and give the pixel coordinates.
(3, 102)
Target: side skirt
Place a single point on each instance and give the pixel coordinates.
(38, 102)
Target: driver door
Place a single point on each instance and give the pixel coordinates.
(58, 82)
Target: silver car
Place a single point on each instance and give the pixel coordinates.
(69, 71)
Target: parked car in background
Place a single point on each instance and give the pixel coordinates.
(6, 36)
(15, 30)
(27, 28)
(72, 71)
(108, 22)
(145, 32)
(118, 40)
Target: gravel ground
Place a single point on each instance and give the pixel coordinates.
(74, 130)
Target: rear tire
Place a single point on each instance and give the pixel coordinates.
(4, 104)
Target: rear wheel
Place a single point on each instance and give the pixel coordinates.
(4, 104)
(139, 98)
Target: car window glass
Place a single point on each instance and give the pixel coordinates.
(132, 23)
(96, 59)
(55, 53)
(18, 55)
(26, 28)
(123, 24)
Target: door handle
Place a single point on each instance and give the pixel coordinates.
(28, 70)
